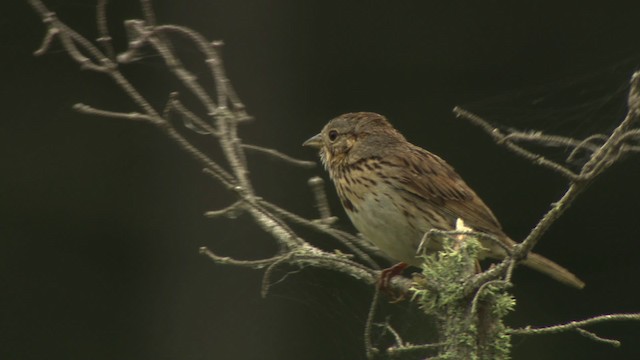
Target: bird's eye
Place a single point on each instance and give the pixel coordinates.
(333, 135)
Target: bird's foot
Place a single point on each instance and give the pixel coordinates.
(384, 281)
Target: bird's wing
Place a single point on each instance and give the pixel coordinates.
(432, 179)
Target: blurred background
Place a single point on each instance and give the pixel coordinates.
(101, 220)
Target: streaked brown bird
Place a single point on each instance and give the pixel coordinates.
(394, 191)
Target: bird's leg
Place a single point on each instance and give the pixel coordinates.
(385, 279)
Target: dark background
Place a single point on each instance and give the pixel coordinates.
(101, 220)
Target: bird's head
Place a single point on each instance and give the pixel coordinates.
(353, 136)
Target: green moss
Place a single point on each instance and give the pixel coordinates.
(441, 294)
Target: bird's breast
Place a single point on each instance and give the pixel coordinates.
(380, 215)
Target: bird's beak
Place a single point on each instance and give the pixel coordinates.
(314, 142)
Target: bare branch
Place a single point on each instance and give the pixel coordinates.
(586, 143)
(596, 338)
(631, 135)
(352, 242)
(550, 140)
(46, 41)
(231, 211)
(396, 335)
(370, 350)
(267, 274)
(149, 14)
(134, 116)
(578, 325)
(103, 30)
(481, 289)
(254, 264)
(398, 352)
(212, 166)
(278, 155)
(548, 219)
(271, 224)
(317, 187)
(192, 121)
(501, 139)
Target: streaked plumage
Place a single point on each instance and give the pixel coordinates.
(394, 191)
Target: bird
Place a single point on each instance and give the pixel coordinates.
(394, 192)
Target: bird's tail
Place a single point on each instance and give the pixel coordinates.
(548, 267)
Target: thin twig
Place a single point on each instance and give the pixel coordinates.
(400, 352)
(220, 174)
(578, 325)
(500, 139)
(495, 272)
(68, 37)
(134, 116)
(558, 208)
(352, 242)
(481, 289)
(264, 290)
(149, 14)
(225, 260)
(598, 162)
(538, 137)
(592, 336)
(270, 223)
(575, 324)
(511, 265)
(103, 30)
(586, 143)
(49, 36)
(370, 350)
(633, 135)
(192, 121)
(226, 123)
(230, 211)
(278, 155)
(322, 204)
(396, 336)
